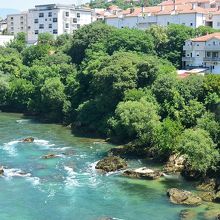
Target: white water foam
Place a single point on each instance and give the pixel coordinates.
(14, 172)
(23, 121)
(10, 148)
(70, 180)
(43, 143)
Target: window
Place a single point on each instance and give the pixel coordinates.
(208, 54)
(22, 28)
(78, 26)
(55, 31)
(12, 18)
(67, 25)
(36, 21)
(197, 54)
(12, 28)
(36, 32)
(213, 42)
(54, 19)
(41, 15)
(168, 23)
(41, 26)
(78, 15)
(50, 25)
(197, 45)
(67, 14)
(49, 14)
(22, 22)
(45, 19)
(191, 24)
(12, 23)
(74, 20)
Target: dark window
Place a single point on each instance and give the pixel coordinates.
(55, 31)
(49, 14)
(36, 21)
(41, 15)
(78, 25)
(22, 22)
(67, 25)
(54, 19)
(41, 26)
(12, 18)
(74, 20)
(78, 15)
(67, 14)
(191, 24)
(36, 32)
(50, 26)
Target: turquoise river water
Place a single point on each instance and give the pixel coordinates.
(68, 187)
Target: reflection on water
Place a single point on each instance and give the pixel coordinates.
(68, 187)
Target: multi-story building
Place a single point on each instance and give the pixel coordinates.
(163, 15)
(17, 23)
(56, 19)
(52, 18)
(203, 52)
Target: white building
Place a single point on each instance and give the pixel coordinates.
(56, 19)
(142, 18)
(52, 18)
(4, 39)
(203, 52)
(17, 23)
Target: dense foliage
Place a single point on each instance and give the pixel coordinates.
(121, 84)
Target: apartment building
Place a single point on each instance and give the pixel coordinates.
(203, 52)
(163, 15)
(17, 23)
(3, 26)
(56, 19)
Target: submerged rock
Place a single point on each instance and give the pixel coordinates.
(49, 156)
(111, 163)
(207, 196)
(183, 197)
(1, 170)
(187, 214)
(212, 214)
(28, 140)
(176, 163)
(143, 173)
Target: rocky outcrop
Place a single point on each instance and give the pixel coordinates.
(183, 197)
(49, 156)
(1, 170)
(28, 140)
(187, 214)
(176, 163)
(111, 163)
(143, 173)
(209, 190)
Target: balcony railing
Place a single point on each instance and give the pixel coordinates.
(211, 59)
(188, 58)
(213, 48)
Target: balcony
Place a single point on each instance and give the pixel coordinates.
(188, 59)
(212, 48)
(212, 59)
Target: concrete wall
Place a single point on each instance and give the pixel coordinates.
(4, 39)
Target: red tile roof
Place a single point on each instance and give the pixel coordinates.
(206, 37)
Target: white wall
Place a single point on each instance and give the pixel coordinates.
(4, 39)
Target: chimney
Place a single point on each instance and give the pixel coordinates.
(174, 5)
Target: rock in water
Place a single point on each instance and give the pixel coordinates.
(207, 185)
(28, 140)
(111, 163)
(187, 214)
(143, 173)
(183, 197)
(176, 163)
(1, 170)
(49, 156)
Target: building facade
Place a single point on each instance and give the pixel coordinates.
(17, 23)
(203, 52)
(52, 18)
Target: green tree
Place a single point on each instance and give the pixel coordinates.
(199, 150)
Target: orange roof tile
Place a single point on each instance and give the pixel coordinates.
(206, 37)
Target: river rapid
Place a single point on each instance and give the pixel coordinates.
(68, 187)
